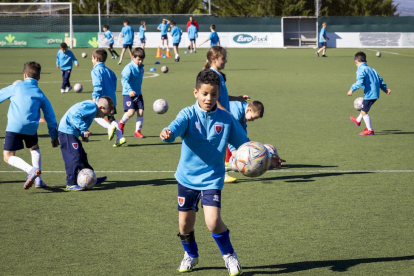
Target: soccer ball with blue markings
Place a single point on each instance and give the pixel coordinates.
(252, 159)
(160, 106)
(358, 103)
(86, 179)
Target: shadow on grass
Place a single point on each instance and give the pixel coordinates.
(12, 181)
(299, 166)
(159, 144)
(392, 132)
(122, 184)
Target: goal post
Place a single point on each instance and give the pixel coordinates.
(31, 21)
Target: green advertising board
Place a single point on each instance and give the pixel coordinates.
(47, 40)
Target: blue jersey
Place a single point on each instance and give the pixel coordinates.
(128, 33)
(192, 32)
(214, 39)
(370, 81)
(78, 118)
(238, 110)
(141, 32)
(164, 28)
(26, 100)
(224, 94)
(176, 34)
(65, 60)
(132, 77)
(104, 82)
(322, 35)
(204, 138)
(109, 36)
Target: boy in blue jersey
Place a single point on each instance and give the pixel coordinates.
(64, 60)
(73, 124)
(175, 33)
(371, 83)
(163, 27)
(26, 100)
(192, 34)
(214, 38)
(128, 33)
(132, 77)
(204, 130)
(142, 30)
(104, 84)
(110, 37)
(322, 40)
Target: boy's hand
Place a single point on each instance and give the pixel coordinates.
(388, 91)
(77, 65)
(277, 162)
(244, 98)
(86, 135)
(350, 93)
(57, 66)
(55, 142)
(165, 134)
(132, 93)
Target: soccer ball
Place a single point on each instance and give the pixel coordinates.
(86, 178)
(16, 82)
(160, 106)
(78, 88)
(164, 69)
(232, 164)
(84, 55)
(378, 54)
(252, 159)
(271, 149)
(358, 103)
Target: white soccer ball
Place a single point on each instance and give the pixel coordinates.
(271, 149)
(16, 82)
(358, 103)
(164, 69)
(86, 178)
(232, 164)
(378, 54)
(78, 88)
(160, 106)
(252, 159)
(84, 55)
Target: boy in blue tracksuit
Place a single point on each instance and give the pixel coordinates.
(176, 38)
(128, 33)
(163, 27)
(73, 124)
(213, 37)
(192, 34)
(205, 130)
(110, 37)
(26, 100)
(371, 83)
(64, 60)
(132, 77)
(104, 84)
(322, 40)
(142, 30)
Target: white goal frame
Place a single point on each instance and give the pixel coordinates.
(51, 4)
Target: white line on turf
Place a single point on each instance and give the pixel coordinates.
(275, 171)
(383, 51)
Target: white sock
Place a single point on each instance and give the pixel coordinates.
(176, 56)
(36, 159)
(102, 122)
(19, 163)
(367, 121)
(139, 123)
(124, 119)
(118, 131)
(359, 119)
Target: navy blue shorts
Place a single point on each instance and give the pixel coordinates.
(127, 46)
(366, 105)
(14, 141)
(323, 44)
(135, 103)
(164, 37)
(176, 44)
(188, 198)
(142, 40)
(111, 45)
(192, 40)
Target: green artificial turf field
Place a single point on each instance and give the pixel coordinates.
(341, 205)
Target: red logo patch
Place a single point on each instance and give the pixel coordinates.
(181, 201)
(75, 145)
(218, 128)
(128, 103)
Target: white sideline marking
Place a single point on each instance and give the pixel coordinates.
(383, 51)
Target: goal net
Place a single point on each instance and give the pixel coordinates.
(26, 20)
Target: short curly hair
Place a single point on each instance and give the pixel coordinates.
(207, 76)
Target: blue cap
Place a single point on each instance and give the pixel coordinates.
(152, 69)
(157, 62)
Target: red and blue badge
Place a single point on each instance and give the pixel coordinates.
(75, 146)
(218, 128)
(181, 201)
(128, 103)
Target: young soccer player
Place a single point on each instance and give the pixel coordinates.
(65, 59)
(205, 130)
(132, 77)
(214, 38)
(142, 30)
(104, 84)
(73, 124)
(128, 33)
(371, 83)
(26, 100)
(322, 40)
(163, 27)
(175, 33)
(110, 37)
(192, 34)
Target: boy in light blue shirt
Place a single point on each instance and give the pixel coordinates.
(73, 124)
(128, 33)
(142, 30)
(192, 35)
(104, 84)
(176, 33)
(26, 100)
(163, 27)
(214, 38)
(110, 37)
(132, 77)
(322, 40)
(64, 60)
(371, 83)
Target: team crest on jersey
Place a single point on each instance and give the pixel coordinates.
(218, 128)
(181, 201)
(75, 145)
(128, 103)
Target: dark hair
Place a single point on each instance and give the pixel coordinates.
(192, 23)
(172, 23)
(63, 45)
(126, 21)
(139, 52)
(361, 57)
(32, 69)
(207, 76)
(100, 54)
(110, 102)
(257, 107)
(213, 26)
(106, 27)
